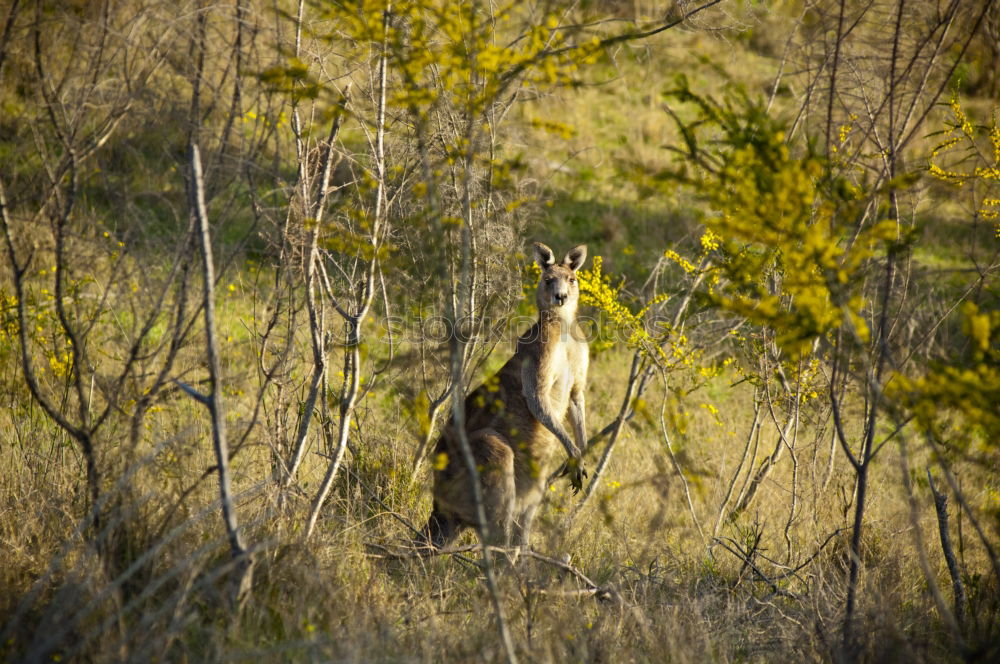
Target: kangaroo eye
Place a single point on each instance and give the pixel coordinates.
(549, 282)
(572, 281)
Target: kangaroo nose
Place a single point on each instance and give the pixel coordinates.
(560, 298)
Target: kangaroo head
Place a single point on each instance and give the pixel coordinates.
(559, 290)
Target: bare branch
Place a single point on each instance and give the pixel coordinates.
(213, 401)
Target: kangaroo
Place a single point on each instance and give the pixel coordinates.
(515, 420)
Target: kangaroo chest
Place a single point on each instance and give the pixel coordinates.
(560, 362)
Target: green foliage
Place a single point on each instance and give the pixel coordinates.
(956, 400)
(784, 235)
(464, 54)
(637, 322)
(292, 79)
(968, 154)
(461, 55)
(597, 290)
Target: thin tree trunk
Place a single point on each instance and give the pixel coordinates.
(460, 307)
(316, 331)
(313, 206)
(354, 321)
(958, 588)
(213, 400)
(619, 424)
(874, 374)
(754, 427)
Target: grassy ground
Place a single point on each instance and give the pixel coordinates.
(342, 596)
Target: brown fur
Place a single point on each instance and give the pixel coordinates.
(515, 420)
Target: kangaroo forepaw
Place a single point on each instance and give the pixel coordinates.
(574, 468)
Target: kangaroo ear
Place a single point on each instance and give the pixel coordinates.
(544, 256)
(575, 258)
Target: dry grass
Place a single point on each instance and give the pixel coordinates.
(340, 597)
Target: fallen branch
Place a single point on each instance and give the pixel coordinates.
(601, 593)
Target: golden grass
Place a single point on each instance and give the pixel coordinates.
(337, 597)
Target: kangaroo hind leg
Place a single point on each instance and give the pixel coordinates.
(495, 460)
(454, 506)
(441, 528)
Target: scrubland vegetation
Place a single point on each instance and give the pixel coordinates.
(252, 250)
